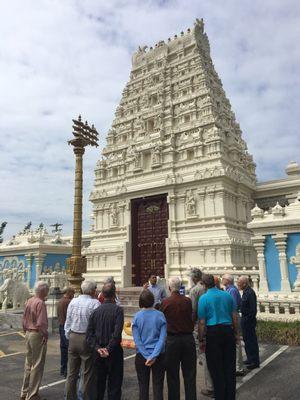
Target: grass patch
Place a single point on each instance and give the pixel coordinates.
(279, 332)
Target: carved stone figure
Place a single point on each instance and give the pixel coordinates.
(114, 215)
(190, 205)
(137, 160)
(13, 241)
(137, 124)
(27, 227)
(296, 261)
(156, 155)
(142, 49)
(157, 122)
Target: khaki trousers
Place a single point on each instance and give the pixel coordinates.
(34, 364)
(79, 354)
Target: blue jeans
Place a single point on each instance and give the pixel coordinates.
(64, 344)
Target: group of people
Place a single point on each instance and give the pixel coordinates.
(170, 332)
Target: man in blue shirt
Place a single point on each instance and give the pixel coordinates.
(228, 282)
(158, 292)
(218, 318)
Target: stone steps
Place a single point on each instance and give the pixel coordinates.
(129, 299)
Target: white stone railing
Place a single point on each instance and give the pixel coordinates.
(55, 279)
(278, 309)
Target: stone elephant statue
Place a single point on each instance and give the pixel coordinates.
(15, 292)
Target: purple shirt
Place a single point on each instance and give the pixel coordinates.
(235, 294)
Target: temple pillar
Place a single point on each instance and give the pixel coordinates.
(39, 260)
(280, 241)
(259, 244)
(29, 259)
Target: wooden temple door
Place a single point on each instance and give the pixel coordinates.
(149, 218)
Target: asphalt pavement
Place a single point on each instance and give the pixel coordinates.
(277, 379)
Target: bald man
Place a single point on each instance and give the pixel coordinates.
(248, 322)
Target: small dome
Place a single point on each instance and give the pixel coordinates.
(292, 169)
(277, 210)
(257, 212)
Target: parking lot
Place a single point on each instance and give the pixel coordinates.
(277, 379)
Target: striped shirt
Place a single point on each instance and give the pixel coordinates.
(78, 314)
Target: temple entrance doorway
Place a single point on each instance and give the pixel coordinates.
(149, 221)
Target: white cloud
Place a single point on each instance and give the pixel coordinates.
(61, 58)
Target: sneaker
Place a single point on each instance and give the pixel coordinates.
(208, 393)
(240, 373)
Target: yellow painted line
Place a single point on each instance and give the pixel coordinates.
(21, 333)
(8, 333)
(2, 354)
(11, 354)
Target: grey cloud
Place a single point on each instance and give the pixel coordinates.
(61, 58)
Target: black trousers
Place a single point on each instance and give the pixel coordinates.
(181, 351)
(143, 375)
(250, 339)
(64, 344)
(109, 370)
(220, 357)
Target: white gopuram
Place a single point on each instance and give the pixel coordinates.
(173, 188)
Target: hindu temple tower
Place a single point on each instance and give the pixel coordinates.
(173, 187)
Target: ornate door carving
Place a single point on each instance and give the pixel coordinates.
(149, 232)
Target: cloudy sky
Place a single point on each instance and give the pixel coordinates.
(62, 57)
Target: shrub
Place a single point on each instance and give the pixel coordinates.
(279, 332)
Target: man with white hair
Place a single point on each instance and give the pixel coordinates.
(195, 293)
(180, 343)
(79, 353)
(35, 324)
(248, 322)
(228, 282)
(197, 290)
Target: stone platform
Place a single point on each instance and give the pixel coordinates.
(129, 299)
(11, 319)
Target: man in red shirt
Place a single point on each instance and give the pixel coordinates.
(180, 343)
(35, 324)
